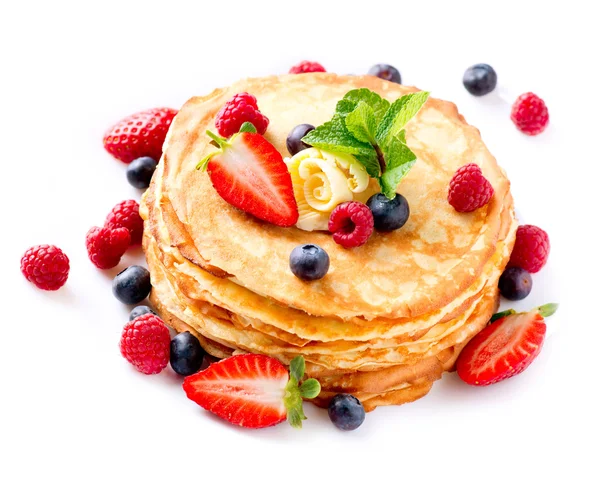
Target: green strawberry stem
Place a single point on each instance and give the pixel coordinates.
(221, 142)
(548, 309)
(217, 141)
(502, 314)
(294, 392)
(545, 311)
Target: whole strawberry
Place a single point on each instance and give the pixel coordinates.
(126, 214)
(105, 247)
(531, 250)
(307, 67)
(241, 108)
(530, 114)
(145, 343)
(140, 134)
(506, 347)
(469, 189)
(45, 266)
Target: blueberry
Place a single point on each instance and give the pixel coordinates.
(515, 283)
(346, 412)
(140, 311)
(386, 72)
(309, 262)
(132, 285)
(388, 214)
(294, 140)
(186, 354)
(480, 79)
(140, 171)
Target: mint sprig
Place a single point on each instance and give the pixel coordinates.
(372, 130)
(296, 391)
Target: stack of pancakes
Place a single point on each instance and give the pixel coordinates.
(390, 316)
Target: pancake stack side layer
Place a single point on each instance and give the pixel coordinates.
(390, 316)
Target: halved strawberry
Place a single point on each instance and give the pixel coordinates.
(253, 391)
(249, 173)
(506, 347)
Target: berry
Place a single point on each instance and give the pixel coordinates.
(186, 354)
(505, 347)
(145, 344)
(253, 391)
(469, 189)
(386, 72)
(127, 215)
(480, 79)
(140, 311)
(132, 285)
(530, 114)
(515, 283)
(140, 134)
(249, 173)
(351, 224)
(294, 140)
(45, 266)
(531, 250)
(388, 215)
(309, 262)
(241, 108)
(105, 247)
(140, 171)
(346, 412)
(307, 67)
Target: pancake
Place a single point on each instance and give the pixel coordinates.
(408, 273)
(293, 325)
(390, 317)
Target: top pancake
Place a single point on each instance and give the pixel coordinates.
(413, 271)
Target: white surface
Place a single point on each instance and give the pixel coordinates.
(74, 414)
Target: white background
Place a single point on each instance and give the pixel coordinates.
(72, 411)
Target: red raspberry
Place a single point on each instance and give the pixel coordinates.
(531, 250)
(127, 215)
(145, 343)
(307, 67)
(241, 108)
(469, 189)
(140, 134)
(351, 224)
(530, 114)
(105, 247)
(45, 266)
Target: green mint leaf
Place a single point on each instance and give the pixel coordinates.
(361, 123)
(548, 309)
(399, 160)
(371, 164)
(398, 115)
(310, 389)
(372, 99)
(297, 366)
(248, 127)
(402, 136)
(333, 136)
(500, 315)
